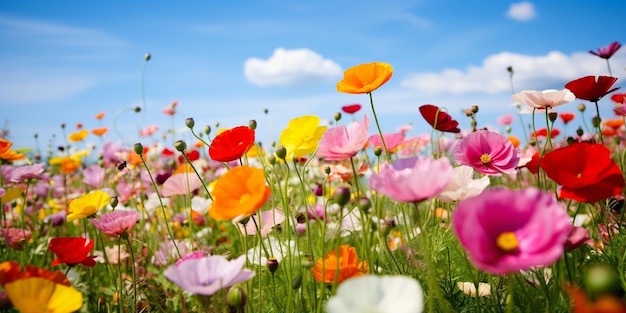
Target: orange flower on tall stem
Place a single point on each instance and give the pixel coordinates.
(365, 78)
(338, 265)
(100, 131)
(239, 193)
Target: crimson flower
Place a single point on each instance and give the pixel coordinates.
(619, 98)
(351, 108)
(544, 133)
(167, 152)
(567, 117)
(231, 144)
(608, 51)
(192, 155)
(592, 89)
(438, 119)
(585, 172)
(72, 251)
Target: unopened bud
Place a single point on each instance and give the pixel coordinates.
(468, 112)
(271, 159)
(113, 202)
(189, 122)
(244, 220)
(62, 125)
(509, 69)
(570, 140)
(580, 132)
(508, 129)
(297, 281)
(207, 130)
(365, 204)
(327, 170)
(337, 116)
(281, 152)
(595, 121)
(474, 108)
(582, 107)
(378, 151)
(147, 57)
(341, 195)
(552, 116)
(272, 265)
(138, 148)
(265, 111)
(252, 124)
(236, 299)
(307, 261)
(180, 145)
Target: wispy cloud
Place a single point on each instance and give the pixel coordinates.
(530, 72)
(522, 11)
(297, 67)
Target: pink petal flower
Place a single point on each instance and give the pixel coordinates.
(549, 98)
(487, 152)
(180, 184)
(341, 142)
(391, 140)
(116, 223)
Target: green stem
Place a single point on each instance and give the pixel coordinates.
(382, 138)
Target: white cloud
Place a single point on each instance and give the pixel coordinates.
(530, 72)
(522, 11)
(296, 67)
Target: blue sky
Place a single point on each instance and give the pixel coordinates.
(227, 61)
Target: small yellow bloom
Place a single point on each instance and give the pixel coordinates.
(301, 136)
(78, 135)
(87, 205)
(38, 294)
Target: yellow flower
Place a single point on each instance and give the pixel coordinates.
(301, 136)
(78, 135)
(38, 294)
(87, 205)
(365, 78)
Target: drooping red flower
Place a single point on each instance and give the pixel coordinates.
(231, 144)
(72, 251)
(439, 119)
(591, 89)
(585, 172)
(619, 98)
(567, 117)
(543, 132)
(608, 51)
(351, 108)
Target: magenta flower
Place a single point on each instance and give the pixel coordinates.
(23, 173)
(506, 231)
(116, 223)
(412, 179)
(340, 143)
(487, 152)
(207, 275)
(608, 51)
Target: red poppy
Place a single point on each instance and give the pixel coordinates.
(351, 109)
(567, 117)
(231, 144)
(533, 164)
(619, 97)
(585, 172)
(72, 251)
(191, 155)
(608, 51)
(167, 152)
(544, 133)
(592, 89)
(438, 119)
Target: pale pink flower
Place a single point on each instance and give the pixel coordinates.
(114, 254)
(22, 173)
(116, 223)
(391, 140)
(93, 176)
(266, 223)
(506, 119)
(412, 179)
(341, 142)
(541, 100)
(487, 152)
(181, 184)
(148, 131)
(463, 185)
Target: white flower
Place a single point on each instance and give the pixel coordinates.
(463, 186)
(470, 289)
(381, 294)
(544, 99)
(200, 204)
(276, 248)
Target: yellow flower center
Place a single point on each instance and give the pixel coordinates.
(507, 242)
(485, 158)
(244, 198)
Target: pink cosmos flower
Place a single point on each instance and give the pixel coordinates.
(608, 51)
(181, 184)
(391, 140)
(148, 131)
(22, 173)
(190, 256)
(506, 231)
(541, 100)
(207, 275)
(506, 119)
(266, 223)
(15, 238)
(93, 176)
(487, 152)
(412, 179)
(116, 223)
(341, 142)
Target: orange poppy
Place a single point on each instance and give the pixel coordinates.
(11, 155)
(69, 165)
(614, 123)
(365, 78)
(606, 303)
(239, 193)
(347, 262)
(5, 145)
(100, 116)
(100, 131)
(514, 140)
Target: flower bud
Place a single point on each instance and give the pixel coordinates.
(266, 111)
(509, 69)
(378, 151)
(138, 148)
(337, 116)
(180, 145)
(62, 125)
(252, 124)
(602, 279)
(244, 220)
(468, 112)
(307, 261)
(271, 159)
(552, 116)
(570, 140)
(272, 264)
(189, 122)
(300, 229)
(297, 281)
(580, 132)
(137, 109)
(341, 195)
(365, 204)
(508, 129)
(147, 56)
(327, 170)
(113, 201)
(236, 298)
(474, 108)
(281, 152)
(595, 121)
(207, 130)
(582, 107)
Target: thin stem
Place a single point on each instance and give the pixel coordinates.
(599, 122)
(382, 138)
(132, 264)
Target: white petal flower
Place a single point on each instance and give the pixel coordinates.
(381, 294)
(278, 249)
(463, 186)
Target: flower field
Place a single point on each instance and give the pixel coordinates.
(330, 218)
